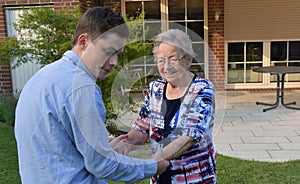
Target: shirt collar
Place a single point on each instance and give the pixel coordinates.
(75, 59)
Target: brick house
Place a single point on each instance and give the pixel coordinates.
(237, 35)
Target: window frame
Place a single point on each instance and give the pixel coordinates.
(165, 26)
(266, 61)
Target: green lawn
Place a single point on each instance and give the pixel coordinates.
(229, 170)
(8, 157)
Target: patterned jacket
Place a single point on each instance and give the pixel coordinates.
(194, 118)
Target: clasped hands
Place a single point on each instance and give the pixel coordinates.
(122, 145)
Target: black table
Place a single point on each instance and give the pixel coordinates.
(280, 71)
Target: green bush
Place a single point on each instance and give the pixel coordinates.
(7, 109)
(53, 32)
(112, 128)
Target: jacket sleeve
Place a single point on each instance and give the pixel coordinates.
(200, 112)
(142, 123)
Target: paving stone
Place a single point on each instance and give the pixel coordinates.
(263, 140)
(232, 119)
(251, 123)
(222, 147)
(254, 147)
(290, 117)
(227, 124)
(242, 128)
(286, 122)
(273, 133)
(282, 128)
(259, 118)
(285, 154)
(235, 134)
(228, 140)
(294, 139)
(248, 155)
(289, 146)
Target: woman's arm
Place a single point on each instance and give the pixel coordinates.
(177, 147)
(136, 137)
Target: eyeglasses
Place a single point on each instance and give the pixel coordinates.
(171, 61)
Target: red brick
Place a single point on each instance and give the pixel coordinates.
(215, 36)
(216, 44)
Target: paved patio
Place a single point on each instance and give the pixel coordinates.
(243, 130)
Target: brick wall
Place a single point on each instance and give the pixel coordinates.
(215, 37)
(5, 80)
(5, 74)
(216, 43)
(113, 4)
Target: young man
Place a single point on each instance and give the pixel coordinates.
(60, 115)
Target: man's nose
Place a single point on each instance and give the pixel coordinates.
(114, 60)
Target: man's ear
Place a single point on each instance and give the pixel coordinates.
(82, 40)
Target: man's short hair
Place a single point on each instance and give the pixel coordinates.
(98, 20)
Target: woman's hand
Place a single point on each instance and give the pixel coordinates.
(120, 145)
(161, 163)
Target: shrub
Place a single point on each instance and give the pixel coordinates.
(112, 128)
(7, 109)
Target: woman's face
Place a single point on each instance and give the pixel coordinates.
(172, 64)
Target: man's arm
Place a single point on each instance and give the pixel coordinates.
(91, 140)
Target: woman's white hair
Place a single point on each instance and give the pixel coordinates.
(177, 38)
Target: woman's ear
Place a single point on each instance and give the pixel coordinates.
(189, 61)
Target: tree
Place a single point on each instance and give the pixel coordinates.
(44, 34)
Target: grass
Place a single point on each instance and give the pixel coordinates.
(233, 170)
(9, 173)
(7, 109)
(229, 170)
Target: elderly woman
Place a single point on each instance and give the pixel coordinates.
(178, 114)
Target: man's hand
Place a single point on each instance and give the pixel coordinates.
(161, 163)
(120, 144)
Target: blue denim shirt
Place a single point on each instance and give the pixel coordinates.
(60, 131)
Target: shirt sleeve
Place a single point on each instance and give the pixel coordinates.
(200, 114)
(87, 113)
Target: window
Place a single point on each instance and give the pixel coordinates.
(294, 52)
(187, 15)
(242, 57)
(285, 53)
